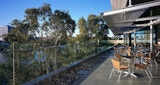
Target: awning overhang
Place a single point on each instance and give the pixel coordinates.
(118, 4)
(121, 21)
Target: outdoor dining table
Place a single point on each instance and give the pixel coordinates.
(133, 60)
(130, 60)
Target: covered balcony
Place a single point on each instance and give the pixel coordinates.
(137, 21)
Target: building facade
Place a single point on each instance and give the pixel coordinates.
(4, 30)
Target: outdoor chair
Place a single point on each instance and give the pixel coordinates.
(150, 57)
(118, 56)
(123, 51)
(123, 60)
(138, 57)
(119, 68)
(144, 66)
(129, 53)
(115, 49)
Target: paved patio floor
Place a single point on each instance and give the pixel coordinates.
(100, 76)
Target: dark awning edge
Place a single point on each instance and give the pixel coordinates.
(133, 8)
(120, 21)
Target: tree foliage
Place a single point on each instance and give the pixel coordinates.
(41, 22)
(61, 24)
(82, 25)
(93, 24)
(19, 33)
(93, 28)
(55, 26)
(102, 30)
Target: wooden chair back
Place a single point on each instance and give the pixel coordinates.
(129, 51)
(122, 50)
(118, 56)
(139, 54)
(116, 64)
(151, 55)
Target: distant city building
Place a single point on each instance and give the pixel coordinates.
(4, 30)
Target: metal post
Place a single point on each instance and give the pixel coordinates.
(13, 65)
(130, 39)
(151, 34)
(130, 2)
(151, 37)
(124, 38)
(135, 39)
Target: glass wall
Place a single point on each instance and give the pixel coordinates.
(142, 37)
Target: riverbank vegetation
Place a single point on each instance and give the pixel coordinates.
(44, 42)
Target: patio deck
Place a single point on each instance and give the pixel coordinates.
(100, 76)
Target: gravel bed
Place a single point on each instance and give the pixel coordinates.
(79, 73)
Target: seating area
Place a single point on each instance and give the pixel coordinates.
(138, 56)
(113, 71)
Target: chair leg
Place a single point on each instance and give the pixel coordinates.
(150, 63)
(150, 72)
(155, 62)
(158, 53)
(147, 74)
(111, 73)
(132, 73)
(119, 76)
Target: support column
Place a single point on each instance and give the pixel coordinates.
(135, 39)
(124, 38)
(151, 38)
(151, 34)
(156, 35)
(130, 39)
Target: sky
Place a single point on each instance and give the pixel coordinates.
(14, 9)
